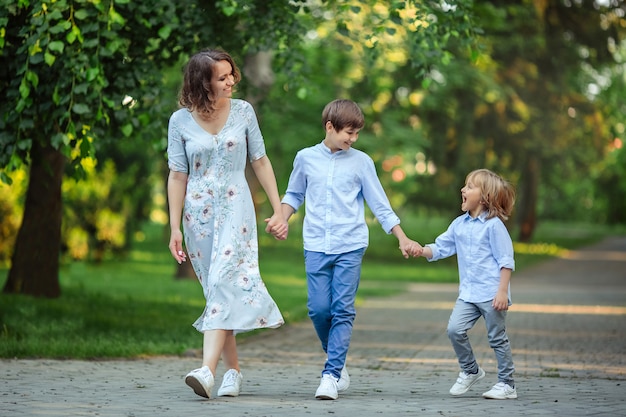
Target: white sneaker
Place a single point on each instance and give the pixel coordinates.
(231, 384)
(327, 389)
(201, 380)
(344, 380)
(501, 391)
(465, 381)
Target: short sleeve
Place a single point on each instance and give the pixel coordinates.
(256, 145)
(176, 155)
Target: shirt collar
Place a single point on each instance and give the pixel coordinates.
(482, 216)
(329, 152)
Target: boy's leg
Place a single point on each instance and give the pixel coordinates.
(499, 342)
(319, 270)
(345, 283)
(463, 318)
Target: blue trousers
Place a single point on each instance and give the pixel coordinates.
(463, 317)
(332, 282)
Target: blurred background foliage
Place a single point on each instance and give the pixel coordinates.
(531, 89)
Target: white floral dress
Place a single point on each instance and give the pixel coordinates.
(219, 221)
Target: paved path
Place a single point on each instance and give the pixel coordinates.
(567, 328)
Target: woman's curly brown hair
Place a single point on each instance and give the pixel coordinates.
(196, 93)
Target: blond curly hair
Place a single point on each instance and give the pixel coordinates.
(497, 194)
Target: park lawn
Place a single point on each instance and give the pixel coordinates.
(135, 307)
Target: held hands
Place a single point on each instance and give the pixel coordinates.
(277, 226)
(176, 246)
(410, 247)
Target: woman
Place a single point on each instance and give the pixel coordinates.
(209, 138)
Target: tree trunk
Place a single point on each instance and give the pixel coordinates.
(35, 262)
(258, 71)
(185, 271)
(528, 198)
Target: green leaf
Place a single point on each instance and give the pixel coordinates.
(165, 32)
(81, 88)
(54, 14)
(49, 58)
(60, 27)
(36, 59)
(22, 103)
(343, 29)
(144, 119)
(24, 144)
(228, 10)
(92, 73)
(302, 93)
(56, 46)
(32, 78)
(56, 97)
(70, 37)
(116, 17)
(59, 140)
(24, 88)
(127, 129)
(81, 14)
(74, 34)
(112, 47)
(110, 103)
(5, 178)
(86, 147)
(80, 108)
(70, 130)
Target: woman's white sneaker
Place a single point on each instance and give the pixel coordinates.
(231, 384)
(201, 381)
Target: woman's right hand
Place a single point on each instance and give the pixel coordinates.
(277, 226)
(176, 246)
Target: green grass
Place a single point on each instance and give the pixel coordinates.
(134, 307)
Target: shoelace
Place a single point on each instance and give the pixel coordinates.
(230, 378)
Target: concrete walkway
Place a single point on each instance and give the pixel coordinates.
(567, 328)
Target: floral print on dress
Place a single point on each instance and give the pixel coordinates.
(219, 220)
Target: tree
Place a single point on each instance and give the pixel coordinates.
(76, 74)
(523, 109)
(378, 54)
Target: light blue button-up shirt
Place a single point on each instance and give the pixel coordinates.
(335, 185)
(482, 247)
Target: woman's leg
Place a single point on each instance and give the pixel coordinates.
(229, 354)
(213, 346)
(201, 379)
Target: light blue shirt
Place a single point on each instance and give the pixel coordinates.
(335, 185)
(483, 247)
